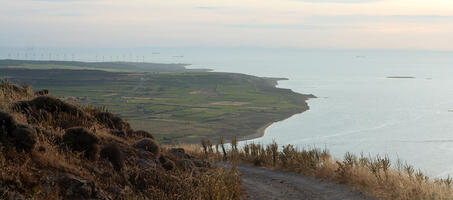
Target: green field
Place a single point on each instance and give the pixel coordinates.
(174, 106)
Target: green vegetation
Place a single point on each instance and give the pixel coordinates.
(174, 106)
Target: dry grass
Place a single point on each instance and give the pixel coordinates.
(36, 174)
(375, 176)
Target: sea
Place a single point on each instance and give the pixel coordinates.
(395, 103)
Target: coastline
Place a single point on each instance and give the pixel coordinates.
(262, 130)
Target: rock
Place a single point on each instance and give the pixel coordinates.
(148, 145)
(73, 187)
(81, 140)
(24, 138)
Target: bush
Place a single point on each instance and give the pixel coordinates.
(166, 163)
(112, 121)
(7, 123)
(144, 134)
(148, 145)
(52, 112)
(24, 138)
(119, 133)
(113, 153)
(42, 92)
(49, 104)
(81, 140)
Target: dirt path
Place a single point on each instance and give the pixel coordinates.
(263, 184)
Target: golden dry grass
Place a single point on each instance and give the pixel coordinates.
(375, 176)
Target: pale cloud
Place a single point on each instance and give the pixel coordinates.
(273, 23)
(208, 7)
(291, 26)
(339, 1)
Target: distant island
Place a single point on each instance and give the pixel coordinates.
(402, 77)
(174, 103)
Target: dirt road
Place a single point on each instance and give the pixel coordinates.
(264, 184)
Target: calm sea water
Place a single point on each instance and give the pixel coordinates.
(359, 110)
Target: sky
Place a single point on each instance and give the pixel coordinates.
(338, 24)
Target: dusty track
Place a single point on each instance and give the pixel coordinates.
(263, 184)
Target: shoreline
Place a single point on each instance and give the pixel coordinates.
(262, 130)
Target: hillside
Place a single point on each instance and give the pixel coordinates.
(53, 149)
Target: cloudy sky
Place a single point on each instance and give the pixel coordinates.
(351, 24)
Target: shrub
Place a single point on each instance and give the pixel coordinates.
(185, 164)
(168, 165)
(179, 153)
(7, 123)
(144, 134)
(111, 121)
(119, 133)
(49, 104)
(42, 92)
(52, 112)
(24, 138)
(148, 145)
(81, 140)
(113, 153)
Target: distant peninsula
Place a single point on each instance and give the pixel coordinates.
(107, 66)
(176, 104)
